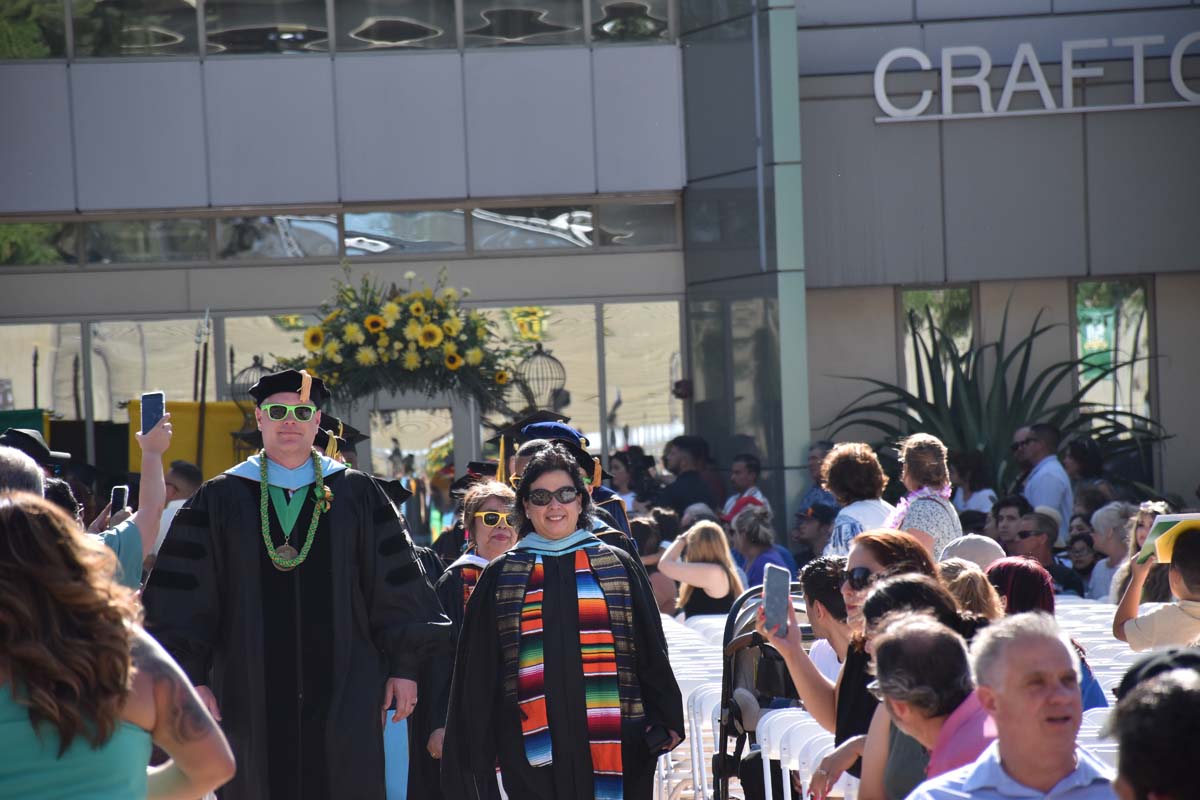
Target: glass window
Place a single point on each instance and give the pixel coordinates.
(32, 29)
(487, 23)
(707, 327)
(625, 21)
(951, 312)
(754, 324)
(381, 24)
(131, 357)
(568, 335)
(532, 228)
(1113, 323)
(266, 26)
(155, 240)
(45, 356)
(277, 237)
(645, 225)
(642, 362)
(38, 243)
(134, 28)
(379, 233)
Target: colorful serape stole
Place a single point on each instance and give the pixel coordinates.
(600, 688)
(470, 577)
(531, 673)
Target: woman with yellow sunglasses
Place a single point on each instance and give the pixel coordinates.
(491, 532)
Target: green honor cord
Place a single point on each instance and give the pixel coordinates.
(286, 558)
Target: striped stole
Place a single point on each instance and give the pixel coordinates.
(470, 576)
(600, 689)
(531, 674)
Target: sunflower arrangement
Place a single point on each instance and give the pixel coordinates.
(405, 339)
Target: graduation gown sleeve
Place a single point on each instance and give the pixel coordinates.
(183, 600)
(406, 621)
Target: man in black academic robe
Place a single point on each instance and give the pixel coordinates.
(298, 660)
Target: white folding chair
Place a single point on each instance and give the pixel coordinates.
(770, 732)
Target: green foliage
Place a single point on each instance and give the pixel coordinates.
(977, 398)
(36, 243)
(31, 29)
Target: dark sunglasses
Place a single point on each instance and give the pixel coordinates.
(1015, 446)
(859, 578)
(1026, 534)
(303, 412)
(564, 495)
(492, 518)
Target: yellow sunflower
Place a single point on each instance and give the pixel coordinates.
(352, 332)
(417, 308)
(412, 331)
(412, 360)
(452, 326)
(374, 323)
(502, 377)
(390, 313)
(366, 356)
(453, 361)
(314, 339)
(474, 356)
(431, 336)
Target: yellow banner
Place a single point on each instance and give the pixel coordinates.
(221, 421)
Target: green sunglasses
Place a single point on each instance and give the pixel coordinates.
(302, 412)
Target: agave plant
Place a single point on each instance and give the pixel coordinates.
(977, 399)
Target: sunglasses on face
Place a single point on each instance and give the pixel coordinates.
(493, 518)
(564, 495)
(302, 412)
(859, 578)
(1027, 534)
(1018, 445)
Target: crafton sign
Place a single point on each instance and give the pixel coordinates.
(1134, 48)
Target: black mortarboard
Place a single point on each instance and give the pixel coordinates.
(31, 443)
(477, 472)
(290, 380)
(394, 489)
(347, 433)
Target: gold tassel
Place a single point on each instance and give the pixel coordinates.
(305, 385)
(502, 467)
(597, 475)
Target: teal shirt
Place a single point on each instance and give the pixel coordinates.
(126, 541)
(31, 769)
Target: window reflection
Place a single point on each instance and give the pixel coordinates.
(645, 225)
(379, 233)
(32, 29)
(38, 243)
(266, 26)
(488, 23)
(1113, 323)
(382, 24)
(625, 21)
(642, 361)
(532, 228)
(952, 313)
(57, 348)
(134, 27)
(155, 240)
(277, 237)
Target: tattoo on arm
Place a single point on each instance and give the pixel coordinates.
(186, 720)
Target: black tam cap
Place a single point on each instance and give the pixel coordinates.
(348, 436)
(477, 472)
(512, 432)
(290, 380)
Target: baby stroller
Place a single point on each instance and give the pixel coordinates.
(754, 677)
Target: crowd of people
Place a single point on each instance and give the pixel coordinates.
(267, 631)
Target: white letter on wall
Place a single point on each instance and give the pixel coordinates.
(1025, 55)
(1177, 67)
(1138, 44)
(881, 97)
(977, 79)
(1070, 72)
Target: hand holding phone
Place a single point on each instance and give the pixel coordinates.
(777, 597)
(120, 498)
(154, 405)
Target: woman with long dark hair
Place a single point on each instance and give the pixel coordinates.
(84, 691)
(561, 676)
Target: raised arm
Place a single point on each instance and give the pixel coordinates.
(712, 578)
(152, 493)
(165, 703)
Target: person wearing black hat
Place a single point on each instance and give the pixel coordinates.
(288, 590)
(31, 443)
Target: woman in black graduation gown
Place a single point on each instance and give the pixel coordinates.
(487, 514)
(561, 678)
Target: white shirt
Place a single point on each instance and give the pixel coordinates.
(825, 659)
(852, 520)
(752, 492)
(1048, 485)
(982, 500)
(1100, 582)
(1170, 624)
(986, 780)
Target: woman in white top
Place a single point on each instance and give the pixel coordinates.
(1110, 537)
(926, 512)
(851, 472)
(969, 474)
